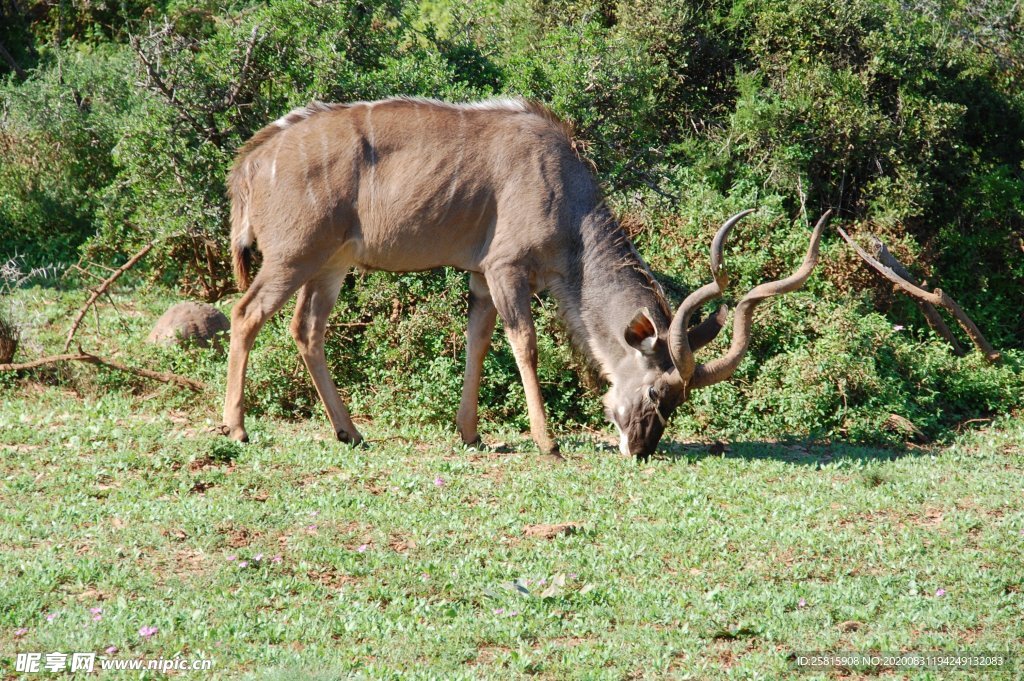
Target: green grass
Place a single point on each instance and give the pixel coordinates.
(412, 557)
(695, 565)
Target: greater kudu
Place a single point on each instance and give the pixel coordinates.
(495, 188)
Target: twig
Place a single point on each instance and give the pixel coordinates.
(931, 315)
(82, 356)
(101, 289)
(938, 297)
(243, 72)
(157, 83)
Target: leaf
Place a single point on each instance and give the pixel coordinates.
(516, 587)
(552, 591)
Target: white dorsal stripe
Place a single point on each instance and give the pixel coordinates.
(496, 104)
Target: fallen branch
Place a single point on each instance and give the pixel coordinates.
(931, 315)
(100, 290)
(937, 297)
(82, 356)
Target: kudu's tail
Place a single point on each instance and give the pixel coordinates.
(242, 249)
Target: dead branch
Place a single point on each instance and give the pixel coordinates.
(156, 83)
(243, 73)
(937, 297)
(931, 315)
(101, 289)
(82, 356)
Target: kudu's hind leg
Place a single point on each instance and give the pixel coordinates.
(511, 296)
(482, 315)
(271, 288)
(315, 301)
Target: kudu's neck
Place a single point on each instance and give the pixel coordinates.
(606, 285)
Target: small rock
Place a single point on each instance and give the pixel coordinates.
(197, 323)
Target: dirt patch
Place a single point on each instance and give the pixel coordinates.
(200, 487)
(258, 495)
(189, 562)
(487, 655)
(317, 476)
(570, 641)
(331, 578)
(205, 462)
(932, 517)
(175, 533)
(92, 594)
(551, 531)
(238, 537)
(400, 544)
(18, 449)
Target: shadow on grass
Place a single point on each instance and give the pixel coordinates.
(796, 452)
(800, 452)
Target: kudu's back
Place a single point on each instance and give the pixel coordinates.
(406, 185)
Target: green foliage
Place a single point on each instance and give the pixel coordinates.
(907, 118)
(57, 131)
(822, 371)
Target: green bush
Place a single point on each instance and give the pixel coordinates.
(57, 130)
(906, 117)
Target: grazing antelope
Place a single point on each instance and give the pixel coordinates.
(494, 188)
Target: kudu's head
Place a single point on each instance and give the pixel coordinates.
(657, 376)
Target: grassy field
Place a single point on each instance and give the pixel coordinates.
(297, 557)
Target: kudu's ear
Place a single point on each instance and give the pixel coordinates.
(641, 333)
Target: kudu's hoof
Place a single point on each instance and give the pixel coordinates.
(552, 454)
(237, 433)
(353, 441)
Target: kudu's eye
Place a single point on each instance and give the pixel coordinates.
(652, 394)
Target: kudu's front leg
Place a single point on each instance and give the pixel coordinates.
(511, 296)
(482, 316)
